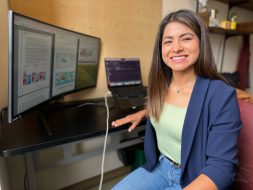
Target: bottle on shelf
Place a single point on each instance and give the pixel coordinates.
(213, 20)
(233, 22)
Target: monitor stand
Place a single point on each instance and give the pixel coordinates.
(45, 123)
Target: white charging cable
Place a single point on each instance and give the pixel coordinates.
(106, 134)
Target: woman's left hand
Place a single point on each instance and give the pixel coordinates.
(135, 119)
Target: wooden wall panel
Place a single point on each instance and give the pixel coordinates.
(3, 53)
(127, 28)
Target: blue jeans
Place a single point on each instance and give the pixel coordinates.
(165, 176)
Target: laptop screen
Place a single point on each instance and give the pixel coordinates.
(122, 71)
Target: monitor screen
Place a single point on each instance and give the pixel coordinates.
(122, 71)
(46, 62)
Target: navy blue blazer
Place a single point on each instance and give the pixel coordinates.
(209, 137)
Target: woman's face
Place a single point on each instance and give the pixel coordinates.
(180, 47)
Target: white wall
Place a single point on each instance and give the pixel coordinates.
(61, 175)
(172, 5)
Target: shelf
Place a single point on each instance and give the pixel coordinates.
(245, 4)
(218, 30)
(243, 28)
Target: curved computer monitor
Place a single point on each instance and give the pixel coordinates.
(46, 62)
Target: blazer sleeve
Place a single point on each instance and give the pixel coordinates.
(224, 130)
(150, 147)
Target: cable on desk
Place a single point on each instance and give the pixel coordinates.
(98, 104)
(106, 134)
(86, 104)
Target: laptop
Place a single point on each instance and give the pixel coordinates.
(124, 81)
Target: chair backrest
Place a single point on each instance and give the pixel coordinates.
(244, 176)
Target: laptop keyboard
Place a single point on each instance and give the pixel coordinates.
(135, 91)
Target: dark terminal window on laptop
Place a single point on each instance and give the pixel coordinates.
(123, 72)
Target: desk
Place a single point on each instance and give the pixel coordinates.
(68, 126)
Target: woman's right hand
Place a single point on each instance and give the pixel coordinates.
(135, 119)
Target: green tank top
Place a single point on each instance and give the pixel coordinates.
(169, 131)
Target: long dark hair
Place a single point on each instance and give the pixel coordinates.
(160, 74)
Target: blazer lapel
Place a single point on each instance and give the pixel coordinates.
(192, 117)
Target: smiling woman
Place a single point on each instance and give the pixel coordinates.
(180, 51)
(191, 112)
(180, 47)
